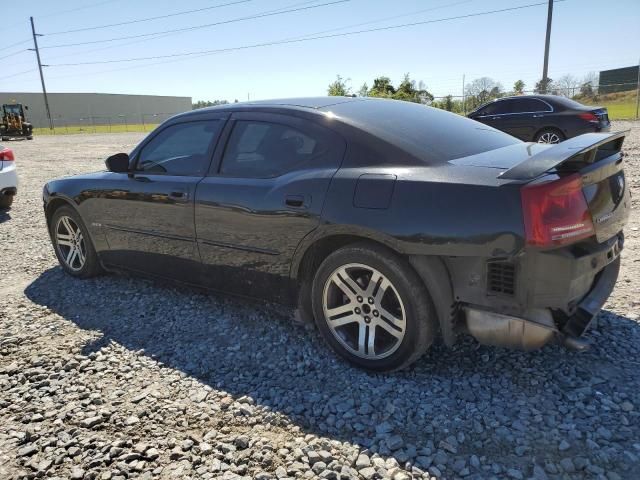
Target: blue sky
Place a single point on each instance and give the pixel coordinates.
(587, 35)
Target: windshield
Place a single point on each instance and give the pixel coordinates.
(12, 109)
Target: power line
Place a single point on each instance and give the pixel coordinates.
(224, 22)
(300, 40)
(148, 19)
(12, 54)
(83, 7)
(386, 19)
(15, 44)
(19, 73)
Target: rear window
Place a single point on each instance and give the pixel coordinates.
(430, 134)
(567, 102)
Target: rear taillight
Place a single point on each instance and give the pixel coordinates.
(556, 213)
(6, 154)
(589, 116)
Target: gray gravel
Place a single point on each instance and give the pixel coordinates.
(116, 377)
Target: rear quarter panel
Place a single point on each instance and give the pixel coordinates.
(447, 210)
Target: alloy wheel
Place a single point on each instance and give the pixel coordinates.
(70, 243)
(549, 137)
(364, 311)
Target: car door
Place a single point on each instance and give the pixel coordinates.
(524, 117)
(263, 196)
(147, 215)
(492, 114)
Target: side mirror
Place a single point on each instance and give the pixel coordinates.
(118, 163)
(26, 107)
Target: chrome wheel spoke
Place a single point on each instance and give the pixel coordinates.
(393, 331)
(390, 318)
(71, 256)
(371, 343)
(67, 224)
(64, 242)
(344, 321)
(362, 335)
(348, 286)
(332, 313)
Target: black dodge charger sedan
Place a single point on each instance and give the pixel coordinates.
(388, 224)
(542, 118)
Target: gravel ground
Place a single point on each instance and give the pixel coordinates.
(117, 377)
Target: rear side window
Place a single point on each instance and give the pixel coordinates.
(524, 105)
(258, 149)
(181, 149)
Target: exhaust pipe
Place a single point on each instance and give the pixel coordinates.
(530, 333)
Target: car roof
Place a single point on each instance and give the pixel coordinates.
(304, 102)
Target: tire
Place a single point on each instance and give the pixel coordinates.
(5, 139)
(30, 137)
(405, 300)
(6, 201)
(550, 135)
(67, 226)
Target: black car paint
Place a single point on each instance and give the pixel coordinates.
(559, 116)
(243, 236)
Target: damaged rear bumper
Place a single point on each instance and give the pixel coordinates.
(565, 318)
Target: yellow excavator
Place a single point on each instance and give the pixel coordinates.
(14, 122)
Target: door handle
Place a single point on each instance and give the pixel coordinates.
(179, 195)
(296, 201)
(537, 116)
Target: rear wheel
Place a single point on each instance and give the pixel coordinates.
(550, 135)
(72, 244)
(372, 308)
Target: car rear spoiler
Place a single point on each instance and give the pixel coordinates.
(587, 148)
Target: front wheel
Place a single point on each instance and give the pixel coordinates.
(372, 308)
(72, 244)
(550, 135)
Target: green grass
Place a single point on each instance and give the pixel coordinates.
(75, 129)
(620, 105)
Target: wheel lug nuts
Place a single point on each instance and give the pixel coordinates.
(371, 300)
(375, 313)
(367, 319)
(357, 310)
(359, 299)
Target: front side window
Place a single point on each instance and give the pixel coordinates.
(496, 108)
(181, 149)
(266, 150)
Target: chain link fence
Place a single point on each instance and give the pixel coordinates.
(143, 122)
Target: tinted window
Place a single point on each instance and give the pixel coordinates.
(265, 150)
(522, 105)
(181, 149)
(430, 134)
(495, 108)
(567, 102)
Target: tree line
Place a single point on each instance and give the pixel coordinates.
(476, 93)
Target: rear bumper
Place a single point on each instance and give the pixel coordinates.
(555, 294)
(8, 179)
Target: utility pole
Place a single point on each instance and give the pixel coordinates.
(545, 68)
(44, 90)
(464, 106)
(638, 92)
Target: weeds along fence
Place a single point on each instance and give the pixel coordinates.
(143, 122)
